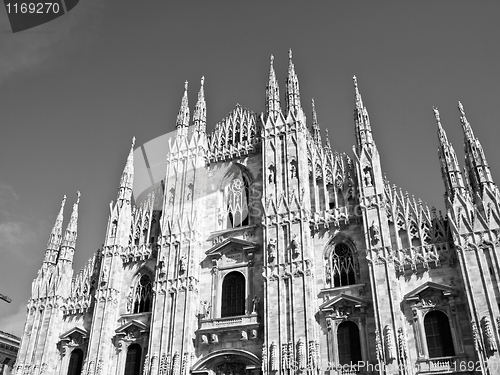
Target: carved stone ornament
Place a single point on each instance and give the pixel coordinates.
(183, 264)
(367, 176)
(301, 354)
(255, 304)
(294, 245)
(475, 336)
(205, 309)
(403, 348)
(264, 358)
(274, 357)
(489, 337)
(390, 349)
(130, 302)
(254, 334)
(378, 347)
(215, 338)
(204, 340)
(244, 336)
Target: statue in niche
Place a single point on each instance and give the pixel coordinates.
(104, 275)
(328, 273)
(255, 304)
(171, 197)
(254, 334)
(272, 174)
(204, 340)
(189, 194)
(113, 228)
(244, 336)
(375, 232)
(293, 169)
(130, 302)
(367, 171)
(294, 245)
(215, 338)
(205, 305)
(271, 248)
(183, 264)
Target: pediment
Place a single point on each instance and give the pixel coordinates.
(131, 326)
(230, 244)
(429, 288)
(342, 300)
(73, 333)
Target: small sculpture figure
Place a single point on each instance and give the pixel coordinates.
(271, 247)
(272, 174)
(254, 334)
(294, 246)
(368, 176)
(375, 232)
(215, 338)
(293, 169)
(204, 340)
(130, 301)
(244, 336)
(255, 304)
(182, 264)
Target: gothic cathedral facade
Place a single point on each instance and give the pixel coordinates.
(263, 251)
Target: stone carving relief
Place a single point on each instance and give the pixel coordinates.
(402, 346)
(274, 365)
(271, 249)
(390, 349)
(301, 354)
(294, 245)
(375, 233)
(489, 337)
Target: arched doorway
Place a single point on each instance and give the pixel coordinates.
(75, 362)
(133, 360)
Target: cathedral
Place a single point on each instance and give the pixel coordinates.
(265, 252)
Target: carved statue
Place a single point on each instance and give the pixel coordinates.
(272, 174)
(475, 336)
(244, 336)
(255, 304)
(204, 340)
(130, 301)
(294, 245)
(183, 264)
(375, 232)
(403, 349)
(254, 334)
(390, 349)
(293, 169)
(206, 309)
(271, 247)
(368, 176)
(378, 347)
(215, 338)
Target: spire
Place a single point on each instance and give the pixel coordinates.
(478, 171)
(69, 239)
(292, 88)
(450, 169)
(200, 110)
(55, 237)
(315, 127)
(327, 146)
(361, 120)
(127, 179)
(183, 116)
(272, 93)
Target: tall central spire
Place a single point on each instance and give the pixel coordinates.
(292, 88)
(272, 93)
(183, 116)
(361, 120)
(200, 110)
(55, 237)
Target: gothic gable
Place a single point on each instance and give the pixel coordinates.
(429, 289)
(342, 300)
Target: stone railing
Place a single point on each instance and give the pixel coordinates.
(232, 321)
(441, 365)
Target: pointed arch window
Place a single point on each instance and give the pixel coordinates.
(349, 344)
(133, 360)
(341, 269)
(236, 200)
(438, 335)
(233, 295)
(143, 295)
(75, 362)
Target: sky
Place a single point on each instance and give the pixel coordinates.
(73, 93)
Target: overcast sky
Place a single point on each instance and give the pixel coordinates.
(73, 93)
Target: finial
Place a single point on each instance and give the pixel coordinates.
(63, 201)
(78, 196)
(271, 59)
(355, 80)
(202, 80)
(461, 108)
(436, 114)
(290, 53)
(133, 142)
(185, 85)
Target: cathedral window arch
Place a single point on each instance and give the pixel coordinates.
(342, 266)
(233, 296)
(235, 192)
(133, 360)
(75, 362)
(143, 294)
(438, 334)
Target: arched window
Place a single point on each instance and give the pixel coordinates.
(75, 362)
(143, 295)
(438, 335)
(236, 196)
(133, 361)
(348, 343)
(233, 295)
(343, 268)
